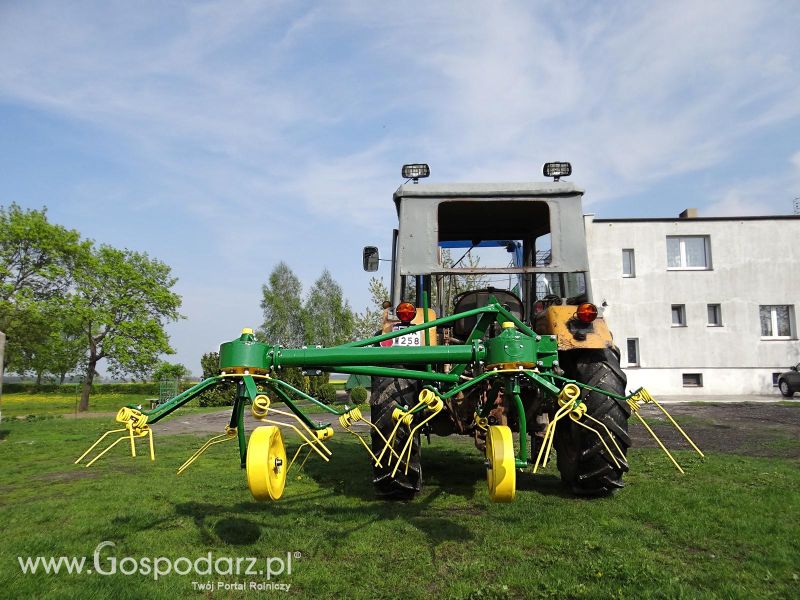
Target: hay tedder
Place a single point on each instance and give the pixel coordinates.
(520, 349)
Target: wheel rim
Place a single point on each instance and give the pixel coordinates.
(784, 388)
(266, 463)
(501, 471)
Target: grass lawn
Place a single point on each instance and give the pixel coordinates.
(728, 528)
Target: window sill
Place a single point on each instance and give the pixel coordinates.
(712, 325)
(633, 366)
(678, 326)
(778, 339)
(689, 269)
(628, 276)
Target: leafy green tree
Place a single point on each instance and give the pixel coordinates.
(283, 309)
(327, 318)
(369, 322)
(453, 285)
(166, 370)
(220, 395)
(123, 300)
(36, 261)
(55, 344)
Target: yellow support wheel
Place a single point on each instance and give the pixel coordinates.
(266, 463)
(501, 466)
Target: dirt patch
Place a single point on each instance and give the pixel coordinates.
(752, 429)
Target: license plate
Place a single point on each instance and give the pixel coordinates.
(409, 339)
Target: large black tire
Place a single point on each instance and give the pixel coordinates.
(386, 394)
(787, 391)
(585, 465)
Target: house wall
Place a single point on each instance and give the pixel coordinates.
(753, 262)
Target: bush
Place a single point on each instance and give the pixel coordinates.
(358, 395)
(69, 388)
(326, 393)
(221, 395)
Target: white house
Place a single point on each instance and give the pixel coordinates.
(699, 305)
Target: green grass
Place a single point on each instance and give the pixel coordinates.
(726, 529)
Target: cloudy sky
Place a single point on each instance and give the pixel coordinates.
(222, 137)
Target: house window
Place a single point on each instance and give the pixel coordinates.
(714, 315)
(679, 315)
(688, 252)
(692, 380)
(633, 352)
(775, 379)
(776, 321)
(628, 263)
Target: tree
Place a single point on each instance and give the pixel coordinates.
(54, 344)
(123, 299)
(36, 262)
(369, 322)
(453, 285)
(166, 370)
(283, 309)
(327, 317)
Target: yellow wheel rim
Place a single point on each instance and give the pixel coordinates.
(266, 463)
(501, 466)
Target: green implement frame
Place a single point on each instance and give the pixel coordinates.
(256, 367)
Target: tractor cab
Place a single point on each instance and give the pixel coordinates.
(458, 245)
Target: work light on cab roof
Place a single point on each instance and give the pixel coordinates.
(416, 171)
(557, 170)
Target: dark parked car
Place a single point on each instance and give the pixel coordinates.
(789, 382)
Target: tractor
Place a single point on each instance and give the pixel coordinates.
(533, 235)
(490, 331)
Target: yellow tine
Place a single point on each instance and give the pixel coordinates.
(560, 414)
(375, 427)
(114, 443)
(312, 442)
(363, 442)
(597, 433)
(610, 436)
(653, 433)
(214, 440)
(297, 452)
(152, 446)
(391, 438)
(311, 433)
(410, 439)
(678, 427)
(133, 446)
(100, 439)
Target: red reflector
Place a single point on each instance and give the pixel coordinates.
(406, 312)
(538, 307)
(586, 313)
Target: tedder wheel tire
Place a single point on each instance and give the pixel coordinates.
(266, 463)
(386, 394)
(785, 389)
(583, 461)
(501, 464)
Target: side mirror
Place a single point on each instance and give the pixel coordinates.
(794, 368)
(371, 258)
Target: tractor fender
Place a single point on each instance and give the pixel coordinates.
(561, 322)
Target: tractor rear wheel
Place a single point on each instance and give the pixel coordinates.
(386, 394)
(583, 460)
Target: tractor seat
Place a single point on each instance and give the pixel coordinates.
(476, 298)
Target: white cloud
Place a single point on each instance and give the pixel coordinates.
(268, 129)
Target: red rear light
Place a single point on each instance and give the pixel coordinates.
(538, 307)
(406, 312)
(586, 313)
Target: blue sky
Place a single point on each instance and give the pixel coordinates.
(222, 137)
